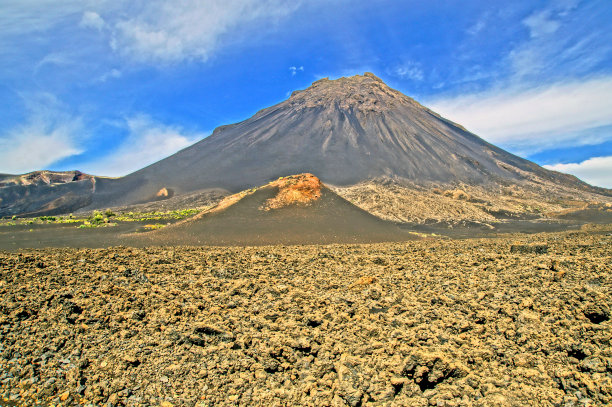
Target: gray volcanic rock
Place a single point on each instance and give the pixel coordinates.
(344, 131)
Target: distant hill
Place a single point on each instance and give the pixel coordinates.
(45, 192)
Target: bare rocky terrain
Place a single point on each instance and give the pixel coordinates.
(45, 192)
(453, 204)
(518, 320)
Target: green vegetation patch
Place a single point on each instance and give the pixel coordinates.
(102, 218)
(99, 219)
(145, 216)
(154, 226)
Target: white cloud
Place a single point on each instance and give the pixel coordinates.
(148, 141)
(91, 19)
(541, 24)
(191, 29)
(48, 136)
(595, 170)
(409, 70)
(23, 16)
(35, 148)
(295, 69)
(112, 74)
(534, 117)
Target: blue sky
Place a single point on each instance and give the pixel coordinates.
(110, 86)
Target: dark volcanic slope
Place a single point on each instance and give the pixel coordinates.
(327, 218)
(344, 131)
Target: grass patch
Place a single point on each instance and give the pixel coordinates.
(103, 218)
(98, 219)
(154, 226)
(145, 216)
(87, 225)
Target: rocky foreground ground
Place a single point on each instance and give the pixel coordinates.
(523, 320)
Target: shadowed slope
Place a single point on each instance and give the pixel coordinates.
(294, 210)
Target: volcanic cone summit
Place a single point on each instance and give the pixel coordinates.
(297, 189)
(363, 94)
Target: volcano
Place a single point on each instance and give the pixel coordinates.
(348, 132)
(344, 131)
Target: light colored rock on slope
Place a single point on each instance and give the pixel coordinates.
(405, 202)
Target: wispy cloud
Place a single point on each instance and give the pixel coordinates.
(147, 141)
(477, 27)
(537, 118)
(541, 24)
(295, 69)
(91, 19)
(23, 16)
(559, 42)
(595, 171)
(49, 135)
(53, 59)
(112, 74)
(190, 29)
(151, 31)
(408, 70)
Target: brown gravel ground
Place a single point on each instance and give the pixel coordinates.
(439, 322)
